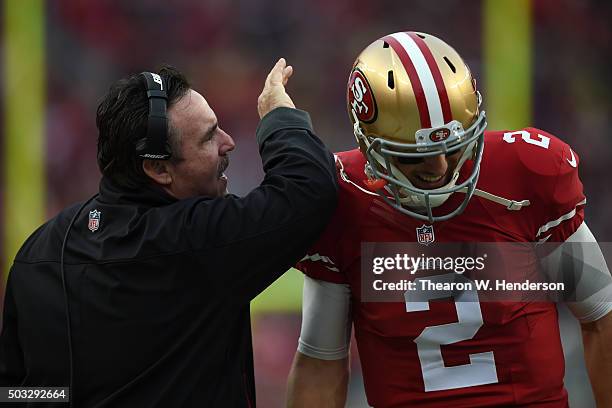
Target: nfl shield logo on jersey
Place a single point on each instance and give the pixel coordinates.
(94, 220)
(425, 234)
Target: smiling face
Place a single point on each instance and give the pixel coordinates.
(432, 172)
(197, 170)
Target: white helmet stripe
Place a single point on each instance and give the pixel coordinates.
(430, 90)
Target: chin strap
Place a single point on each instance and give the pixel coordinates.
(511, 205)
(377, 184)
(344, 177)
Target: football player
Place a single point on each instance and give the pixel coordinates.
(422, 173)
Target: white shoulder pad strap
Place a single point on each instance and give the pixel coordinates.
(326, 320)
(594, 287)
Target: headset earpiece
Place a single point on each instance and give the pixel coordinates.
(155, 145)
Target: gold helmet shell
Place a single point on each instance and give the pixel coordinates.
(402, 103)
(411, 95)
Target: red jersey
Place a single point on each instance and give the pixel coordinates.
(426, 358)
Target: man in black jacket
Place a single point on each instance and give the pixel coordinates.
(160, 267)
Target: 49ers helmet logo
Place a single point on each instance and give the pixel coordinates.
(439, 135)
(360, 97)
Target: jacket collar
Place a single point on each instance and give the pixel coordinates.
(148, 195)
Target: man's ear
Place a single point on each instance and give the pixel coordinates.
(157, 170)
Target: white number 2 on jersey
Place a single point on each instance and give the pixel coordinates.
(510, 137)
(436, 376)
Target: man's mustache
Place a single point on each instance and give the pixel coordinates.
(223, 165)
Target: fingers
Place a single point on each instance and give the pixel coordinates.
(276, 74)
(274, 94)
(287, 72)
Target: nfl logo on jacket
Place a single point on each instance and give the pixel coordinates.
(94, 220)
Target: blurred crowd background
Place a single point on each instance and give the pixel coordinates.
(226, 47)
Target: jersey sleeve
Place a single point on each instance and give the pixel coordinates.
(329, 258)
(323, 260)
(560, 200)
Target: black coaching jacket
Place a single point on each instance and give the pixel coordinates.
(159, 291)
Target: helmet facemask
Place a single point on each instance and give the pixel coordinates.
(399, 192)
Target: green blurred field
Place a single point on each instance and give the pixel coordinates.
(284, 295)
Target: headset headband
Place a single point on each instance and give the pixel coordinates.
(155, 144)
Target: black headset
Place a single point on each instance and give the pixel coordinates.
(153, 146)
